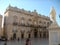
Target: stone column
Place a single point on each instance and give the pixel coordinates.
(20, 35)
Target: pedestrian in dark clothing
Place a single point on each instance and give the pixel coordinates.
(28, 41)
(18, 39)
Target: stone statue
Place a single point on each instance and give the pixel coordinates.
(52, 14)
(53, 18)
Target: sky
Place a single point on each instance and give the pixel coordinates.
(42, 6)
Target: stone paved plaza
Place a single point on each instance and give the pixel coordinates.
(36, 41)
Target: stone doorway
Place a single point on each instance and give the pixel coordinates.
(29, 35)
(35, 33)
(22, 35)
(40, 34)
(14, 36)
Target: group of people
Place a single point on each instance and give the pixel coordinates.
(27, 42)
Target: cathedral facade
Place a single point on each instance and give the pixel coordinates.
(19, 23)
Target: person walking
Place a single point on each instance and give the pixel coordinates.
(28, 42)
(18, 39)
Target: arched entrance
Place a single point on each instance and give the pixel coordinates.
(35, 33)
(14, 35)
(29, 35)
(22, 35)
(40, 34)
(44, 34)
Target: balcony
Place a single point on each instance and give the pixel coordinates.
(29, 23)
(15, 23)
(21, 24)
(26, 24)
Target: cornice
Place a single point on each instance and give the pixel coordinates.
(33, 13)
(56, 28)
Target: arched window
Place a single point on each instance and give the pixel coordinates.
(14, 29)
(40, 22)
(22, 20)
(47, 23)
(29, 19)
(35, 22)
(14, 18)
(44, 22)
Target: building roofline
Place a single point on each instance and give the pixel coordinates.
(33, 13)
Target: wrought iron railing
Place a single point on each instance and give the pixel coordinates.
(28, 25)
(15, 23)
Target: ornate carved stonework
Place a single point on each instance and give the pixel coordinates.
(53, 14)
(31, 21)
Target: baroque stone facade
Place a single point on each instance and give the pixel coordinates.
(1, 26)
(19, 23)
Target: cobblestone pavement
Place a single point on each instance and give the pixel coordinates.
(36, 41)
